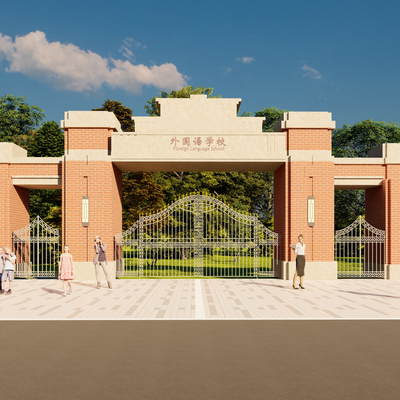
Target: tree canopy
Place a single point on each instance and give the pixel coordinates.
(244, 191)
(47, 141)
(123, 114)
(18, 120)
(357, 140)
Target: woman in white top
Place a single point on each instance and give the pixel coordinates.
(299, 250)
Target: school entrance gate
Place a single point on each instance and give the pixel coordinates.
(202, 134)
(197, 236)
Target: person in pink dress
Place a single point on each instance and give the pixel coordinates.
(66, 270)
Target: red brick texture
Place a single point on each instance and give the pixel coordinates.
(14, 206)
(88, 138)
(305, 179)
(294, 182)
(382, 210)
(308, 139)
(49, 169)
(101, 181)
(360, 170)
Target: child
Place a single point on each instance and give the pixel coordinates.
(9, 264)
(66, 272)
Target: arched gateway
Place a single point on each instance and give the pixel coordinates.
(203, 134)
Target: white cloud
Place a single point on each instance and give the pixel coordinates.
(68, 67)
(128, 44)
(245, 60)
(311, 72)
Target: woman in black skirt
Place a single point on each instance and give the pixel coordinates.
(299, 250)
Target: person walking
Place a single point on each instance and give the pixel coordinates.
(8, 271)
(299, 250)
(2, 261)
(66, 270)
(100, 259)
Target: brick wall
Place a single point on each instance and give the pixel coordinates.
(101, 181)
(88, 138)
(308, 139)
(14, 206)
(360, 170)
(281, 216)
(35, 169)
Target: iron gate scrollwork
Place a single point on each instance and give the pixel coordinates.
(197, 236)
(37, 247)
(360, 250)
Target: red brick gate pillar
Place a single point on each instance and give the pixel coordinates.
(14, 200)
(382, 205)
(88, 174)
(308, 173)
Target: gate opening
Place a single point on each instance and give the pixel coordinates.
(197, 236)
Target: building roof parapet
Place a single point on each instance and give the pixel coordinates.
(305, 120)
(198, 115)
(91, 119)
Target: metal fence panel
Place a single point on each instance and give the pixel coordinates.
(360, 251)
(37, 247)
(197, 236)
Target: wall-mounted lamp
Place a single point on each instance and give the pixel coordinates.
(311, 210)
(85, 210)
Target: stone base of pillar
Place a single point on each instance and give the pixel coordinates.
(85, 271)
(315, 270)
(392, 272)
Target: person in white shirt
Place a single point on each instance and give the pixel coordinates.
(299, 250)
(9, 264)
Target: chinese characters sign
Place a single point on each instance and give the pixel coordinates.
(198, 143)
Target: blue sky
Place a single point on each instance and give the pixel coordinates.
(338, 56)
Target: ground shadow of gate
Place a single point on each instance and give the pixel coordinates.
(197, 236)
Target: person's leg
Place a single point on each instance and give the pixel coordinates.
(1, 283)
(10, 279)
(105, 269)
(65, 286)
(301, 281)
(294, 279)
(96, 267)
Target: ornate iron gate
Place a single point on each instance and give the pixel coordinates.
(197, 236)
(38, 248)
(360, 251)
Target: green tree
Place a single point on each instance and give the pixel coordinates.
(356, 141)
(48, 141)
(244, 191)
(271, 115)
(18, 120)
(47, 204)
(140, 195)
(152, 107)
(123, 114)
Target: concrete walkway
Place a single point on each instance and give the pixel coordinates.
(191, 299)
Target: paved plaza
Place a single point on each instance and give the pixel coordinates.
(191, 299)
